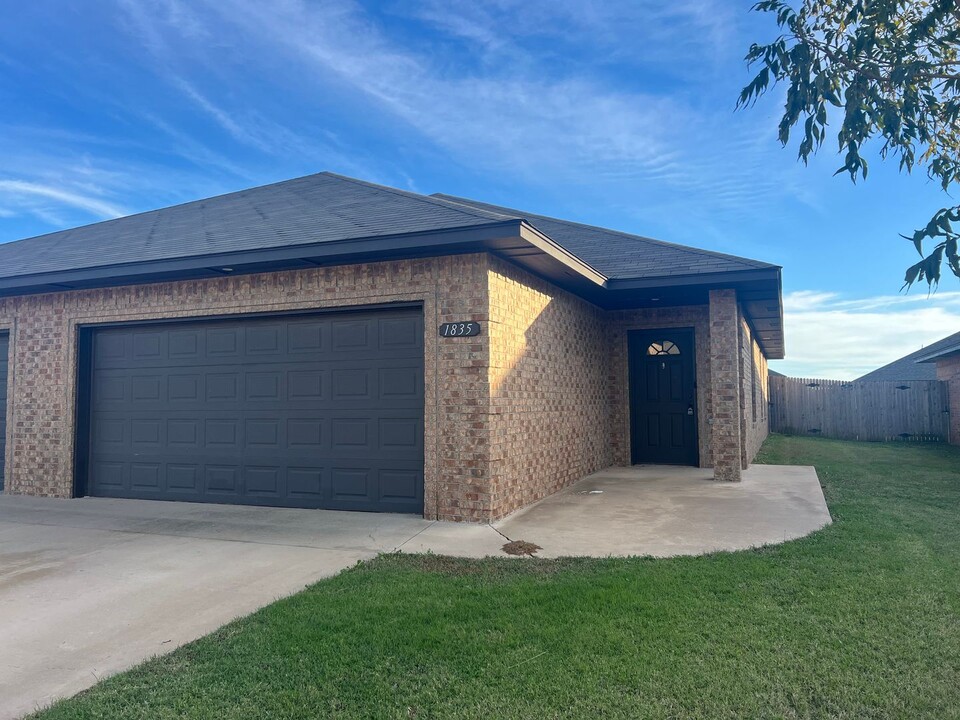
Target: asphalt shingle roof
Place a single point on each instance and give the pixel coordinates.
(908, 368)
(622, 255)
(948, 346)
(327, 208)
(312, 209)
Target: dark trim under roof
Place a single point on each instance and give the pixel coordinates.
(327, 219)
(941, 349)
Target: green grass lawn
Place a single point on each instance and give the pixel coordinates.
(860, 620)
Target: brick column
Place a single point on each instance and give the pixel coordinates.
(725, 385)
(948, 370)
(953, 386)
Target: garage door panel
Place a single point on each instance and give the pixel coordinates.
(260, 386)
(111, 475)
(145, 476)
(355, 340)
(397, 333)
(147, 434)
(343, 484)
(302, 412)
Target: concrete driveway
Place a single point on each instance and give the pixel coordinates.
(90, 587)
(93, 586)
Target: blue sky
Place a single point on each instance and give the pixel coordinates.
(614, 113)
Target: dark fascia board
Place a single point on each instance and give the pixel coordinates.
(568, 269)
(719, 279)
(513, 239)
(939, 354)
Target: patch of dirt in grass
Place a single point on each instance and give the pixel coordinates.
(521, 547)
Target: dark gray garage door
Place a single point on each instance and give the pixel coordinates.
(4, 364)
(321, 411)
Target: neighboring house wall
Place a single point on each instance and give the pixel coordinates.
(43, 358)
(754, 393)
(948, 369)
(620, 324)
(549, 419)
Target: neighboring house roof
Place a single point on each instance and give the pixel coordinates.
(915, 366)
(942, 348)
(618, 254)
(327, 219)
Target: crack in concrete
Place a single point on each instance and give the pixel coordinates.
(414, 536)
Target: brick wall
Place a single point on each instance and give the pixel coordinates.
(725, 387)
(754, 394)
(43, 336)
(534, 403)
(948, 369)
(549, 421)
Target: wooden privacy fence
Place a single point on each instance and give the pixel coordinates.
(915, 411)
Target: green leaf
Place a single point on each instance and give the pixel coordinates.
(912, 274)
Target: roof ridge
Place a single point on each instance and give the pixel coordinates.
(431, 199)
(655, 241)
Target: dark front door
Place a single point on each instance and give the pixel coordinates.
(321, 411)
(663, 415)
(4, 345)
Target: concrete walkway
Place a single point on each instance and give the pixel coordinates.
(666, 510)
(90, 587)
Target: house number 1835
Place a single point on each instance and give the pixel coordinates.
(461, 329)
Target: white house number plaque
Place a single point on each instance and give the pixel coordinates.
(460, 329)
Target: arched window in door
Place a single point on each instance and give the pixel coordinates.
(664, 347)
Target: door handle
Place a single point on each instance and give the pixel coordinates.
(690, 409)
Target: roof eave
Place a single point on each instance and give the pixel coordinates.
(733, 277)
(513, 239)
(760, 291)
(449, 241)
(939, 354)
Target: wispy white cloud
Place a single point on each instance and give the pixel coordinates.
(614, 29)
(20, 193)
(829, 336)
(530, 111)
(224, 119)
(53, 179)
(247, 90)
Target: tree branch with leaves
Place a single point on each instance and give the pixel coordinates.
(892, 69)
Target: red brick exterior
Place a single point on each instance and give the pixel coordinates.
(535, 402)
(725, 360)
(948, 369)
(43, 338)
(754, 394)
(549, 418)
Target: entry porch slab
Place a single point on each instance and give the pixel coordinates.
(664, 510)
